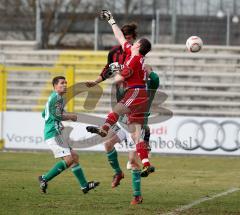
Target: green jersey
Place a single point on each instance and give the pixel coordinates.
(152, 86)
(52, 115)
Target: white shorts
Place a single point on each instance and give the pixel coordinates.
(119, 131)
(58, 146)
(124, 135)
(131, 144)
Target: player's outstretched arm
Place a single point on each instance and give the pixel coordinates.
(106, 15)
(94, 83)
(104, 74)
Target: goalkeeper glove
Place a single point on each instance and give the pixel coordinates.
(115, 66)
(106, 15)
(111, 70)
(108, 73)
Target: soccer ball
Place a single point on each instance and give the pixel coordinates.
(194, 44)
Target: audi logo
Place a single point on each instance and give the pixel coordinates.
(221, 137)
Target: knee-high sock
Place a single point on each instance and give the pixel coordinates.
(143, 153)
(136, 182)
(112, 118)
(56, 170)
(113, 160)
(78, 172)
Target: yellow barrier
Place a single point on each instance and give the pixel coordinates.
(1, 144)
(3, 88)
(71, 80)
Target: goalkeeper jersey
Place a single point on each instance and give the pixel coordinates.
(52, 115)
(116, 54)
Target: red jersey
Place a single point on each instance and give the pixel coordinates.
(133, 70)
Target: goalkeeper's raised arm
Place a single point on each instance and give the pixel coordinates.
(106, 15)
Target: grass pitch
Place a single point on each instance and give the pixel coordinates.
(178, 181)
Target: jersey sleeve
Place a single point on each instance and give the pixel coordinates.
(104, 72)
(154, 81)
(110, 60)
(55, 108)
(127, 48)
(153, 85)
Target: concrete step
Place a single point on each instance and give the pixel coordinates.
(18, 45)
(211, 49)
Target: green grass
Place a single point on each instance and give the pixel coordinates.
(179, 180)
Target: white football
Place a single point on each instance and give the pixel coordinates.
(194, 44)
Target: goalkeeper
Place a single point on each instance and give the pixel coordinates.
(116, 54)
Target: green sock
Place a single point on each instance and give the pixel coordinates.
(56, 170)
(78, 172)
(113, 160)
(136, 182)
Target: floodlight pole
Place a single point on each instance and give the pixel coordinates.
(38, 30)
(228, 29)
(174, 20)
(153, 39)
(157, 26)
(96, 34)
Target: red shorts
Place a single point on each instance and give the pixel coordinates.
(136, 100)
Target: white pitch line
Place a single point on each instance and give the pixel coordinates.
(199, 201)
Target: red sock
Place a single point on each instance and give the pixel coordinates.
(112, 118)
(143, 153)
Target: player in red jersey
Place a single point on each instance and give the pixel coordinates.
(117, 134)
(117, 56)
(134, 102)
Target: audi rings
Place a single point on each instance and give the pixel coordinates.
(219, 135)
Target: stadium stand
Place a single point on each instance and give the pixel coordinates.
(201, 84)
(18, 45)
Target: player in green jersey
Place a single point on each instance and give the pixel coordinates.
(53, 114)
(144, 148)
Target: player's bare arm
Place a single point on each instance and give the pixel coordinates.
(106, 74)
(94, 83)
